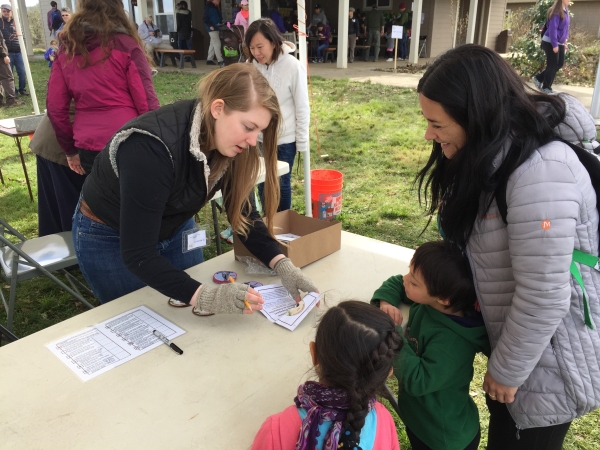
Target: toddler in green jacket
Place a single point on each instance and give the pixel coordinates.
(444, 332)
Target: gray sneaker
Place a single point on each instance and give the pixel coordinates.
(547, 91)
(222, 64)
(537, 83)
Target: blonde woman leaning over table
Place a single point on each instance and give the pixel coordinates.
(162, 168)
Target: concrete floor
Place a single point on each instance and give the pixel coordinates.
(364, 71)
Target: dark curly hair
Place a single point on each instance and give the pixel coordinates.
(356, 344)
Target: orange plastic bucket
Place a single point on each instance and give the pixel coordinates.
(326, 193)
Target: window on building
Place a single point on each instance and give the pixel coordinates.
(382, 4)
(165, 19)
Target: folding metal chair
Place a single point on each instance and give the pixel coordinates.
(32, 258)
(7, 336)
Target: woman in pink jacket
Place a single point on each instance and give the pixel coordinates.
(353, 354)
(101, 65)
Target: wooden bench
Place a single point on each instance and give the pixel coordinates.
(331, 50)
(172, 52)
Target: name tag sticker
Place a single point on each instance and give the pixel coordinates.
(195, 238)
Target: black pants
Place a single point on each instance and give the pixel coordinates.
(417, 444)
(502, 433)
(58, 193)
(86, 159)
(554, 61)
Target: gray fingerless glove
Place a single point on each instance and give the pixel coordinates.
(292, 278)
(225, 299)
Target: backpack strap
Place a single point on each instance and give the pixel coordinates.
(587, 260)
(592, 165)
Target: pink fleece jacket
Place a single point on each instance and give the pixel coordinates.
(107, 94)
(280, 431)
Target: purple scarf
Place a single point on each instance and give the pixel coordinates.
(322, 403)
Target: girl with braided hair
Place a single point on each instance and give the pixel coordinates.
(353, 354)
(444, 332)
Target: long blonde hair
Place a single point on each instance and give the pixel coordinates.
(105, 18)
(242, 88)
(557, 8)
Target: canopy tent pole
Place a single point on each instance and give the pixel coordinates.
(15, 9)
(302, 17)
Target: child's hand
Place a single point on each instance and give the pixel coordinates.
(391, 311)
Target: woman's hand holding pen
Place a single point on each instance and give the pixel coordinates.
(227, 299)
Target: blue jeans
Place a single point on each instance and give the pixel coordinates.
(99, 255)
(403, 43)
(285, 153)
(16, 61)
(320, 49)
(185, 44)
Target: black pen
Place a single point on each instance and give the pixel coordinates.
(163, 338)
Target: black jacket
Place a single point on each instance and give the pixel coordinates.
(184, 24)
(9, 33)
(353, 26)
(160, 185)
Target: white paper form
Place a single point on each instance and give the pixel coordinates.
(113, 342)
(287, 237)
(278, 301)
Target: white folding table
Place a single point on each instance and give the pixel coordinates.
(235, 371)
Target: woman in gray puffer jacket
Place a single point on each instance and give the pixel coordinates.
(493, 140)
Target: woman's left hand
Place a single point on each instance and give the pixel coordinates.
(293, 279)
(497, 391)
(75, 164)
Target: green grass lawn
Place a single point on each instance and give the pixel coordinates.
(372, 133)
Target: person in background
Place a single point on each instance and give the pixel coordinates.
(293, 19)
(353, 32)
(443, 334)
(402, 20)
(243, 15)
(65, 14)
(59, 187)
(324, 35)
(352, 355)
(374, 25)
(212, 20)
(50, 54)
(138, 204)
(184, 26)
(7, 81)
(318, 16)
(287, 76)
(389, 41)
(235, 10)
(151, 36)
(363, 28)
(54, 18)
(278, 19)
(554, 43)
(101, 65)
(9, 32)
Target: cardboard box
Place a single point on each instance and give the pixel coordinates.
(318, 238)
